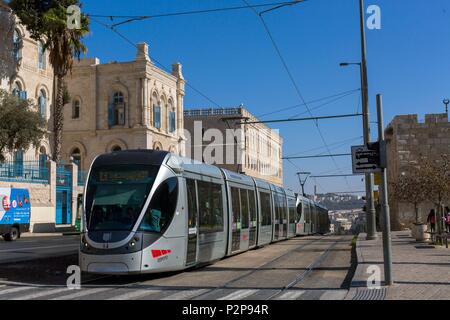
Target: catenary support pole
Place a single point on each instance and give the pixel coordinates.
(370, 205)
(387, 249)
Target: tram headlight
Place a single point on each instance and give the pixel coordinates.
(84, 244)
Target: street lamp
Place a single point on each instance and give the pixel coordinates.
(446, 102)
(371, 218)
(371, 221)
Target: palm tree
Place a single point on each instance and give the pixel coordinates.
(46, 20)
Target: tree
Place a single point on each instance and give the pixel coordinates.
(21, 125)
(410, 187)
(437, 177)
(46, 20)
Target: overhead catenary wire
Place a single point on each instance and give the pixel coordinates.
(132, 18)
(291, 77)
(344, 94)
(336, 145)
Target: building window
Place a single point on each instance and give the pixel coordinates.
(172, 118)
(42, 101)
(76, 157)
(157, 116)
(43, 157)
(41, 56)
(116, 113)
(17, 91)
(116, 149)
(76, 105)
(17, 45)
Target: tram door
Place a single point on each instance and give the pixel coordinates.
(253, 219)
(191, 256)
(236, 222)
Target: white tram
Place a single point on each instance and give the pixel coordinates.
(149, 211)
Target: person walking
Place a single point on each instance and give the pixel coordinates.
(432, 220)
(447, 219)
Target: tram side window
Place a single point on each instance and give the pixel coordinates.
(192, 203)
(299, 211)
(252, 207)
(210, 207)
(244, 203)
(235, 207)
(283, 208)
(162, 207)
(266, 218)
(276, 208)
(292, 217)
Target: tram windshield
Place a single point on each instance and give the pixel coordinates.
(116, 195)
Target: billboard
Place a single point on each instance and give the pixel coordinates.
(15, 206)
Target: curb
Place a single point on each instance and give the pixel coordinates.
(358, 286)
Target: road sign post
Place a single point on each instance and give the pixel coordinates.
(366, 158)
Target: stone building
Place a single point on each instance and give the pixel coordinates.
(408, 139)
(221, 137)
(122, 105)
(26, 72)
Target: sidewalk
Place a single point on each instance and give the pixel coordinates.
(420, 271)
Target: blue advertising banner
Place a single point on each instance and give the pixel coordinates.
(15, 206)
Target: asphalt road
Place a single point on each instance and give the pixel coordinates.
(32, 248)
(309, 268)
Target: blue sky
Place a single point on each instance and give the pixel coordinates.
(229, 57)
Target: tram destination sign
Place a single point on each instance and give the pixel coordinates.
(366, 158)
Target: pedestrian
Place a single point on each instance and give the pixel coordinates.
(432, 219)
(447, 219)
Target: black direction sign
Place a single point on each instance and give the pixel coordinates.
(366, 159)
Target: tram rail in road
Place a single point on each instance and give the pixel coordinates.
(235, 278)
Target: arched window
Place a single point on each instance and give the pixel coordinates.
(18, 91)
(41, 56)
(117, 110)
(76, 157)
(172, 117)
(116, 149)
(42, 101)
(17, 45)
(76, 105)
(156, 112)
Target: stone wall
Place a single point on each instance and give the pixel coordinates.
(142, 85)
(259, 147)
(407, 140)
(25, 72)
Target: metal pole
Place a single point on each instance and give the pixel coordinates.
(370, 205)
(387, 250)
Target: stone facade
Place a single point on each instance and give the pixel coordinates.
(25, 71)
(122, 105)
(408, 139)
(219, 136)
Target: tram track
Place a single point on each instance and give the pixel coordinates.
(302, 276)
(258, 268)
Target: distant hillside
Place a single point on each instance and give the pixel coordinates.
(340, 201)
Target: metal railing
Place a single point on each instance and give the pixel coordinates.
(212, 112)
(26, 171)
